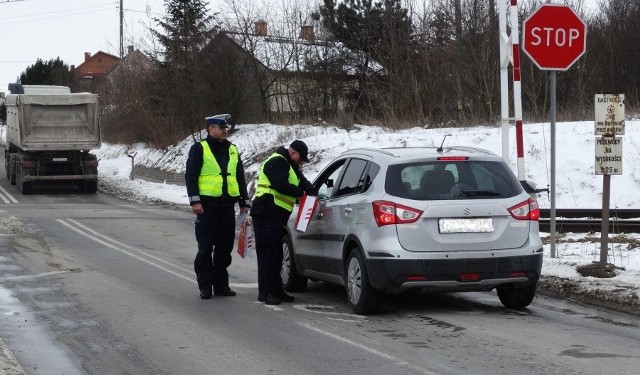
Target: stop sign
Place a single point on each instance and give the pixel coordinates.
(554, 37)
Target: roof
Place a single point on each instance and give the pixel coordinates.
(293, 55)
(135, 60)
(96, 66)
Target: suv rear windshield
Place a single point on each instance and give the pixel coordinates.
(438, 180)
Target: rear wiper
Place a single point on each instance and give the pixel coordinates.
(476, 193)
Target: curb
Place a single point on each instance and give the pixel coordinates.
(619, 299)
(9, 365)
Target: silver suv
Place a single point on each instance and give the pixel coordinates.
(396, 219)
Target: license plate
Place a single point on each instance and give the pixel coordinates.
(59, 159)
(466, 225)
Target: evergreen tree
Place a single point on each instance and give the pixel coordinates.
(52, 72)
(377, 29)
(382, 34)
(184, 31)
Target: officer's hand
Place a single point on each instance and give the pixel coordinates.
(197, 209)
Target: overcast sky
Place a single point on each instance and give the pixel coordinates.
(46, 29)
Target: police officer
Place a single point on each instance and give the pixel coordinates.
(215, 182)
(280, 183)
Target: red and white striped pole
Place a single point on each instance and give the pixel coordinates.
(517, 88)
(510, 55)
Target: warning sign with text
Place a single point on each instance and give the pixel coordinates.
(609, 156)
(609, 119)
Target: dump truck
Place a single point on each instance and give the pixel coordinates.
(49, 133)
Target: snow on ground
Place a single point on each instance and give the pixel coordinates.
(577, 186)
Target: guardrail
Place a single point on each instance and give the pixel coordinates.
(590, 220)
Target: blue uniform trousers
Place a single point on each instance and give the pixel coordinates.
(268, 237)
(215, 233)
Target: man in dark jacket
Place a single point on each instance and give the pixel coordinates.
(280, 184)
(215, 182)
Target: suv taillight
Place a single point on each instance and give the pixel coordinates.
(386, 212)
(526, 210)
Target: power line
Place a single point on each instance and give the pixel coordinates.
(57, 11)
(45, 17)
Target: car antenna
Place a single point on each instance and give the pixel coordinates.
(439, 149)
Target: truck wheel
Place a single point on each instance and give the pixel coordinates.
(27, 187)
(89, 187)
(23, 186)
(12, 168)
(6, 164)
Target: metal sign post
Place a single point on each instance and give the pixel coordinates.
(554, 37)
(552, 120)
(609, 122)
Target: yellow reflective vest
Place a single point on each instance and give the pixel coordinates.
(264, 186)
(211, 179)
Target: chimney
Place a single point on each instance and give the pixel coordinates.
(87, 56)
(261, 28)
(129, 50)
(306, 33)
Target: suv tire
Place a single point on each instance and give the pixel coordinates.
(516, 298)
(291, 280)
(361, 296)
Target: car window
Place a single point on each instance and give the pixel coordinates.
(372, 172)
(326, 182)
(451, 180)
(353, 181)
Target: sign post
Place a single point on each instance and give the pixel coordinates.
(609, 122)
(554, 37)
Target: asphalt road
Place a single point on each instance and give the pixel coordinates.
(90, 284)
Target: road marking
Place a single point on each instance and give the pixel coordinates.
(43, 274)
(109, 245)
(325, 310)
(6, 197)
(373, 351)
(119, 246)
(107, 238)
(245, 285)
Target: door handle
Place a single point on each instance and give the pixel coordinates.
(348, 209)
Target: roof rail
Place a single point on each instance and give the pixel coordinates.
(380, 150)
(471, 148)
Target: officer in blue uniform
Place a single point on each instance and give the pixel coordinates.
(215, 183)
(280, 184)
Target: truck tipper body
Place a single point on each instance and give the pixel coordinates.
(49, 133)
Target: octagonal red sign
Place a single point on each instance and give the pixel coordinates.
(554, 37)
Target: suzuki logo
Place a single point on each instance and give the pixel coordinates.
(467, 211)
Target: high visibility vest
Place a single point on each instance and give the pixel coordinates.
(210, 180)
(264, 186)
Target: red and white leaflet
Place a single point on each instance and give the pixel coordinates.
(307, 206)
(245, 239)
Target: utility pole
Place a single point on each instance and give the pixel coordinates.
(121, 30)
